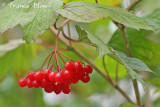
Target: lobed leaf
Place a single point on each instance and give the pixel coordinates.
(89, 12)
(33, 19)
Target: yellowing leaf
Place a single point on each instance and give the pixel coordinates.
(105, 2)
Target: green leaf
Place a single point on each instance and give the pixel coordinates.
(101, 46)
(105, 2)
(11, 16)
(44, 18)
(133, 63)
(33, 19)
(89, 12)
(129, 63)
(111, 67)
(153, 19)
(141, 47)
(82, 35)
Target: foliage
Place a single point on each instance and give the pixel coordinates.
(98, 38)
(88, 12)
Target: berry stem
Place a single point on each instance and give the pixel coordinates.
(45, 61)
(61, 57)
(50, 60)
(69, 57)
(56, 43)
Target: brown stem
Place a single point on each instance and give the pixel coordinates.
(67, 20)
(94, 66)
(135, 84)
(133, 4)
(96, 1)
(125, 39)
(108, 76)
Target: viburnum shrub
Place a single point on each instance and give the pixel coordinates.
(59, 79)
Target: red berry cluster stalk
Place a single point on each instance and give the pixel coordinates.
(60, 79)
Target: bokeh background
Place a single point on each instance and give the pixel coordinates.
(18, 58)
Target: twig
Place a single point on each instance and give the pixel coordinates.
(96, 1)
(128, 51)
(133, 4)
(108, 76)
(125, 39)
(67, 20)
(93, 65)
(122, 28)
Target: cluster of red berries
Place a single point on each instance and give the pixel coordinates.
(58, 81)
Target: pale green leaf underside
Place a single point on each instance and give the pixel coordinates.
(82, 35)
(34, 20)
(153, 19)
(89, 12)
(101, 46)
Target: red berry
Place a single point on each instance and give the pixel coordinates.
(85, 78)
(58, 77)
(78, 66)
(46, 72)
(29, 83)
(69, 66)
(88, 69)
(66, 74)
(35, 84)
(75, 80)
(31, 75)
(22, 82)
(51, 76)
(48, 89)
(38, 76)
(66, 89)
(45, 83)
(57, 89)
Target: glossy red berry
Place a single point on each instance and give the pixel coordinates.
(51, 76)
(29, 83)
(22, 82)
(88, 69)
(85, 78)
(38, 76)
(66, 74)
(57, 89)
(66, 89)
(48, 89)
(45, 83)
(58, 77)
(46, 72)
(78, 66)
(31, 75)
(35, 84)
(69, 66)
